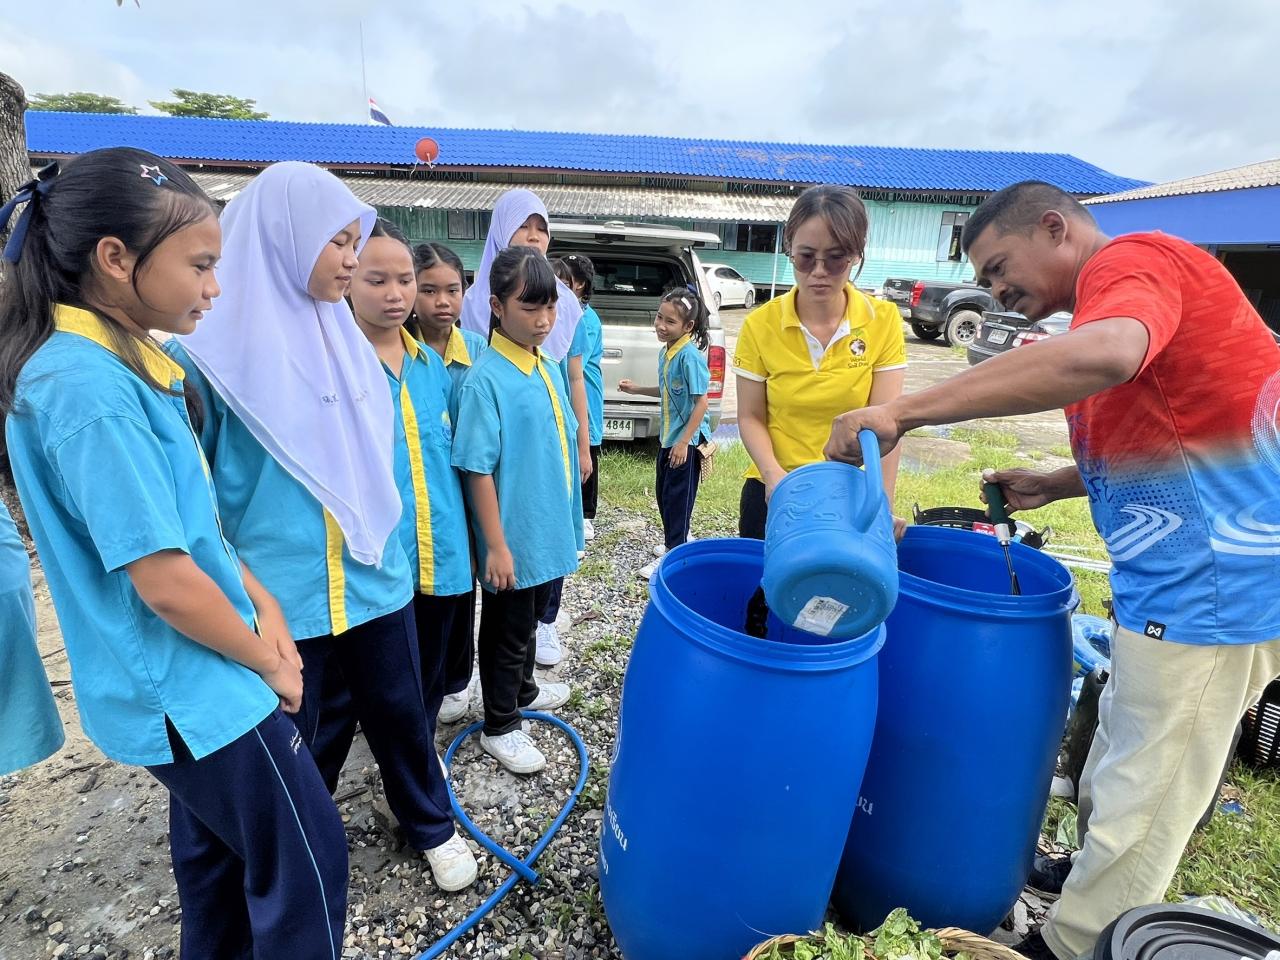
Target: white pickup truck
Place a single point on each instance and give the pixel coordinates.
(636, 263)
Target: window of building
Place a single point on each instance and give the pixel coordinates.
(462, 225)
(953, 222)
(757, 237)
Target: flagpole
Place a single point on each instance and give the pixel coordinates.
(363, 82)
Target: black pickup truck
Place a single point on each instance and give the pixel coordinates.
(939, 308)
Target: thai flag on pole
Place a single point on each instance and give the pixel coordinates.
(376, 115)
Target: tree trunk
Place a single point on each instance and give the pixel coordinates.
(15, 168)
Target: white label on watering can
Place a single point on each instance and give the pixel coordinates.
(820, 615)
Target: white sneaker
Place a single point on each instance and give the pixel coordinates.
(660, 550)
(550, 696)
(588, 530)
(515, 751)
(453, 865)
(550, 651)
(646, 572)
(454, 706)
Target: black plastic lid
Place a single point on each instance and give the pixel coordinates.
(1174, 932)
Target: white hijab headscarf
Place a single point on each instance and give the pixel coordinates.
(510, 212)
(297, 371)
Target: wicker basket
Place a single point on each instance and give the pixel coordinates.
(954, 940)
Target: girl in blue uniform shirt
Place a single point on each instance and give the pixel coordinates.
(683, 380)
(181, 661)
(441, 285)
(514, 440)
(300, 433)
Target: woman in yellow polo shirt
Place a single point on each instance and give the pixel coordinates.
(806, 357)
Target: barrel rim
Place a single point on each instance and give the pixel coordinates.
(935, 594)
(761, 652)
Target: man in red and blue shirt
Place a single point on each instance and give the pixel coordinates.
(1171, 386)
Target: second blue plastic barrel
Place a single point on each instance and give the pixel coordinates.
(974, 684)
(737, 766)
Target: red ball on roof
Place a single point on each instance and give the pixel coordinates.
(427, 150)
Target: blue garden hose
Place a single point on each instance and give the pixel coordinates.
(522, 868)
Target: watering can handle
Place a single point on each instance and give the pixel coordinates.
(875, 480)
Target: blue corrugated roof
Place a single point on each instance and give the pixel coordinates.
(261, 141)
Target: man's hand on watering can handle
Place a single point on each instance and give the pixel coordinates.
(844, 445)
(1023, 489)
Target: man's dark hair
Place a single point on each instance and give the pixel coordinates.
(1020, 207)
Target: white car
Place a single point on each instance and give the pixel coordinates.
(635, 265)
(729, 288)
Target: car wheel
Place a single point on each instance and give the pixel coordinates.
(962, 327)
(749, 300)
(715, 298)
(925, 333)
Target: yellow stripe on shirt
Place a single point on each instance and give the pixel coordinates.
(560, 429)
(421, 496)
(337, 576)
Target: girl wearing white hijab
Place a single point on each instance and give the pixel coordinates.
(298, 430)
(520, 220)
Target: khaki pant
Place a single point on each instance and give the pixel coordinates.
(1165, 724)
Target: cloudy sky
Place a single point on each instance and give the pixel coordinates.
(1147, 88)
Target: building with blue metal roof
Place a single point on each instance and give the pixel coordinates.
(1234, 214)
(918, 199)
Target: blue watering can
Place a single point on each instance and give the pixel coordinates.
(830, 561)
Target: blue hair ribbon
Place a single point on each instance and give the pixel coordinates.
(29, 193)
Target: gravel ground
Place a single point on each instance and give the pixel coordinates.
(84, 861)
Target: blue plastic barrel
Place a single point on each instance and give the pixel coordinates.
(974, 685)
(737, 766)
(830, 564)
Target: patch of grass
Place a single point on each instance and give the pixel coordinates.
(627, 478)
(1236, 856)
(1061, 451)
(596, 564)
(596, 788)
(608, 646)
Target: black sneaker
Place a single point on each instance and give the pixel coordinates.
(1034, 948)
(1048, 874)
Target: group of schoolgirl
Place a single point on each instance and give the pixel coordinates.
(269, 514)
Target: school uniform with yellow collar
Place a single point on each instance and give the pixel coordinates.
(433, 525)
(515, 424)
(461, 353)
(808, 383)
(683, 376)
(109, 472)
